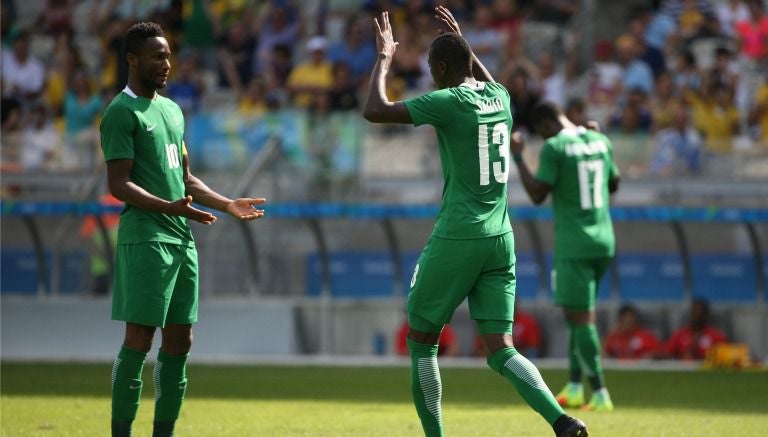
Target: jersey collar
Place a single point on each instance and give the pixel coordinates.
(480, 86)
(578, 130)
(130, 92)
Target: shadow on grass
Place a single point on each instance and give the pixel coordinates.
(742, 392)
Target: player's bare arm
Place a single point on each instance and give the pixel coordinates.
(537, 190)
(378, 108)
(124, 189)
(242, 208)
(479, 71)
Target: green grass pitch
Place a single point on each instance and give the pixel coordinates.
(73, 400)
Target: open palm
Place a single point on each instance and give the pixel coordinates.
(245, 208)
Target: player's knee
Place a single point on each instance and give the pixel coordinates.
(139, 337)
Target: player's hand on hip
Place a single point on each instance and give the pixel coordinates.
(183, 207)
(443, 14)
(385, 41)
(245, 208)
(516, 143)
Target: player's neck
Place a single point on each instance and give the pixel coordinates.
(565, 122)
(140, 90)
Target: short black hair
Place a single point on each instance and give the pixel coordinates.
(545, 111)
(628, 308)
(454, 50)
(140, 32)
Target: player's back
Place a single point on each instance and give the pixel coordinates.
(473, 126)
(578, 164)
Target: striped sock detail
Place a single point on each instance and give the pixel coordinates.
(429, 381)
(156, 379)
(526, 371)
(115, 366)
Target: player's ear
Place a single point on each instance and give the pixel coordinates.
(131, 58)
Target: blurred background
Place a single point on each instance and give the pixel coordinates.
(272, 92)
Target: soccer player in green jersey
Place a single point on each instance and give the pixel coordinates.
(576, 166)
(470, 253)
(156, 262)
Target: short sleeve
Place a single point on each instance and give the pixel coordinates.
(548, 160)
(434, 108)
(117, 128)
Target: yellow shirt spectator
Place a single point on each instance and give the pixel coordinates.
(718, 120)
(311, 76)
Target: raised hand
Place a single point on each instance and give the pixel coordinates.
(516, 143)
(443, 14)
(183, 207)
(385, 41)
(245, 208)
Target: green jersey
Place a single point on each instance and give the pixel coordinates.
(577, 164)
(150, 132)
(473, 127)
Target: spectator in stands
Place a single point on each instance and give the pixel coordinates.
(40, 141)
(281, 26)
(507, 21)
(311, 76)
(343, 93)
(753, 33)
(64, 62)
(236, 51)
(692, 341)
(522, 97)
(557, 12)
(487, 41)
(758, 115)
(677, 147)
(664, 103)
(56, 17)
(82, 107)
(407, 64)
(253, 103)
(551, 80)
(23, 74)
(730, 12)
(281, 66)
(637, 28)
(10, 140)
(448, 344)
(635, 72)
(716, 116)
(633, 116)
(606, 81)
(687, 75)
(724, 72)
(355, 50)
(630, 340)
(187, 87)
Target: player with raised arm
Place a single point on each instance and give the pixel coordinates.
(576, 166)
(156, 277)
(470, 253)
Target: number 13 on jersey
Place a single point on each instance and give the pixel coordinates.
(500, 137)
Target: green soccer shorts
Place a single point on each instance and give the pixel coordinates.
(575, 282)
(155, 284)
(481, 270)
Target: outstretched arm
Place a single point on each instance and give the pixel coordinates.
(243, 208)
(479, 71)
(537, 190)
(378, 108)
(124, 188)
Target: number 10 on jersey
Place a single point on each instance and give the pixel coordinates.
(500, 137)
(172, 151)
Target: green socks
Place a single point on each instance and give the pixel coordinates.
(426, 387)
(527, 381)
(170, 380)
(587, 351)
(126, 389)
(574, 366)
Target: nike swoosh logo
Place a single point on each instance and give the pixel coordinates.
(151, 127)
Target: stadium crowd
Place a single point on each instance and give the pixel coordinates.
(682, 83)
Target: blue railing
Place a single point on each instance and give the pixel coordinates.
(325, 282)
